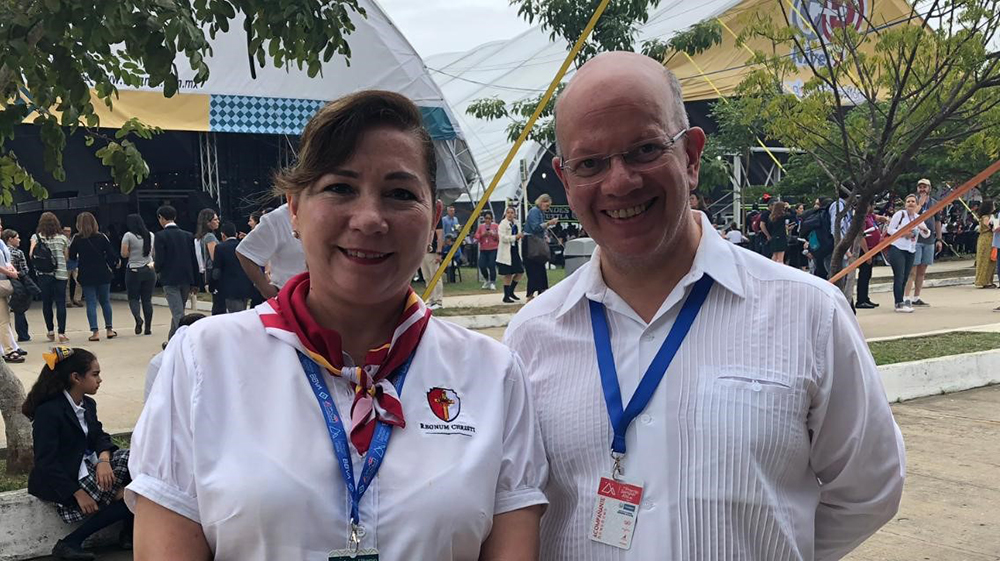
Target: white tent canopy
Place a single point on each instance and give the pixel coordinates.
(273, 100)
(522, 68)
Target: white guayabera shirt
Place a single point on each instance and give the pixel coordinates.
(769, 437)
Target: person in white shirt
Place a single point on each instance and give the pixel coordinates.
(271, 242)
(773, 440)
(902, 252)
(734, 235)
(267, 432)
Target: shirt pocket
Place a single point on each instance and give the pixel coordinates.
(751, 379)
(744, 420)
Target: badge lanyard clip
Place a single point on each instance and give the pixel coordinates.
(617, 470)
(354, 544)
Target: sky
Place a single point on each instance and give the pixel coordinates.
(443, 26)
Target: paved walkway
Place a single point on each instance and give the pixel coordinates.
(123, 360)
(951, 496)
(949, 508)
(880, 276)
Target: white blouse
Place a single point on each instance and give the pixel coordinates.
(79, 411)
(901, 220)
(232, 437)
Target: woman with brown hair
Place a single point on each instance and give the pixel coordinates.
(204, 236)
(48, 253)
(776, 230)
(327, 359)
(96, 258)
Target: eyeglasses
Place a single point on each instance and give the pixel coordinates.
(644, 156)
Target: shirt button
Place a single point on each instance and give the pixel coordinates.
(646, 419)
(648, 338)
(648, 505)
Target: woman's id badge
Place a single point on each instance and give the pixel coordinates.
(353, 555)
(615, 513)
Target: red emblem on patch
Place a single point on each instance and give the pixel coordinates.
(445, 403)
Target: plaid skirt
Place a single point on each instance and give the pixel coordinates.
(119, 465)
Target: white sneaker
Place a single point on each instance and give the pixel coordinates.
(903, 308)
(493, 286)
(485, 285)
(438, 306)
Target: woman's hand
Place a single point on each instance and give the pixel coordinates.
(520, 235)
(553, 222)
(87, 504)
(105, 475)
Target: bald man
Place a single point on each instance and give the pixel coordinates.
(697, 401)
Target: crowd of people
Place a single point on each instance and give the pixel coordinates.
(805, 238)
(507, 249)
(59, 260)
(266, 434)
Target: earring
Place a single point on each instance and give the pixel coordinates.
(295, 233)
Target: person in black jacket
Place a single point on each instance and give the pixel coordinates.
(231, 282)
(95, 260)
(77, 466)
(176, 264)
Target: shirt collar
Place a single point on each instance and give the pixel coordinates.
(69, 398)
(715, 257)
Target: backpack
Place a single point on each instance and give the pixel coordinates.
(20, 299)
(819, 222)
(42, 259)
(755, 223)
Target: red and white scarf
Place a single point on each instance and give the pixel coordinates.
(287, 317)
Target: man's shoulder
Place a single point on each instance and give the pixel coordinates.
(543, 308)
(766, 273)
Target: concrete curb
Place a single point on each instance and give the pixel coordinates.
(930, 283)
(480, 322)
(30, 527)
(934, 376)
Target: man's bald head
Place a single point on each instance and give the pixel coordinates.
(624, 72)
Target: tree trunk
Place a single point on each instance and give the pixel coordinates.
(18, 429)
(859, 212)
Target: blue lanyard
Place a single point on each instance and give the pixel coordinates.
(380, 439)
(620, 420)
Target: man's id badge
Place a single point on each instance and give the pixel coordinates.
(615, 513)
(353, 555)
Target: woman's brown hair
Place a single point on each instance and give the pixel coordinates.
(779, 209)
(986, 208)
(86, 225)
(48, 225)
(333, 133)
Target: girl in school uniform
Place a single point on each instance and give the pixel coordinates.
(77, 467)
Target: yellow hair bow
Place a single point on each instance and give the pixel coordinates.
(57, 355)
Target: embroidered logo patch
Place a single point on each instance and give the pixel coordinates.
(446, 406)
(445, 403)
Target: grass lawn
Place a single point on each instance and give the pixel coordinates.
(480, 310)
(14, 482)
(470, 285)
(919, 348)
